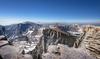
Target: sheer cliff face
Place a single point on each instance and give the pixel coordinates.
(55, 36)
(52, 37)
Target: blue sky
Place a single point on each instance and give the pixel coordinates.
(16, 11)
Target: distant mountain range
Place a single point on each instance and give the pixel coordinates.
(14, 30)
(17, 29)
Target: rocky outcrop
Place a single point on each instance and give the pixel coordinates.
(94, 45)
(55, 36)
(52, 36)
(91, 40)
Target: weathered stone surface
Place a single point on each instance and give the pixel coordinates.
(64, 52)
(93, 45)
(8, 52)
(91, 41)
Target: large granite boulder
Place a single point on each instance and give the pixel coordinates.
(8, 52)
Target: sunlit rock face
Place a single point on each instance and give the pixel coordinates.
(91, 40)
(94, 45)
(61, 51)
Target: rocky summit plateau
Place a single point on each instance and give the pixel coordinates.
(29, 40)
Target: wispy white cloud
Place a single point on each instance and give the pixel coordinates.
(11, 20)
(8, 21)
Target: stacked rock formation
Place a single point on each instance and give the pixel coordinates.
(92, 41)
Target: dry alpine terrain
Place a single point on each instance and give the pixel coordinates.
(53, 42)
